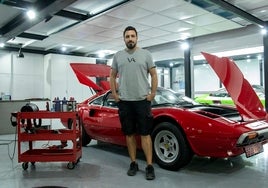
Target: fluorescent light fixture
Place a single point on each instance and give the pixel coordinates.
(244, 51)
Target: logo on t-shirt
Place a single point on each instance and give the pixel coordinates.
(131, 59)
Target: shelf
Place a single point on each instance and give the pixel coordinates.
(50, 155)
(46, 115)
(60, 134)
(29, 133)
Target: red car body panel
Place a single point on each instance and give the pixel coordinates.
(213, 139)
(240, 90)
(84, 71)
(207, 132)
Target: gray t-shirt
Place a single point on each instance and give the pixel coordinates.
(133, 69)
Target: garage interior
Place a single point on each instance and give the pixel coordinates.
(81, 31)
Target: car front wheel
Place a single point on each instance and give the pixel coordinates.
(171, 150)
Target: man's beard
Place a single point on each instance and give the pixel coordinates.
(131, 45)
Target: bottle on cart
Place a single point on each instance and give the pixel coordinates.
(53, 105)
(47, 106)
(71, 104)
(64, 105)
(57, 104)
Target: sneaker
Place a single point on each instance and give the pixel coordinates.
(133, 168)
(150, 172)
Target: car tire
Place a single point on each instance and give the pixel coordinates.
(85, 137)
(170, 148)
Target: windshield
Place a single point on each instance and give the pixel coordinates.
(165, 96)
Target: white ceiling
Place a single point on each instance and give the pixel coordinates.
(157, 21)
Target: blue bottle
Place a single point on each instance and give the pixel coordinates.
(57, 105)
(64, 105)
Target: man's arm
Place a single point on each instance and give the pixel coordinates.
(113, 85)
(154, 83)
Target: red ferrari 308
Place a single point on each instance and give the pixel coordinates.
(181, 127)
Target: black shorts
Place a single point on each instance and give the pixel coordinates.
(135, 117)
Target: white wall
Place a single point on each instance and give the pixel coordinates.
(22, 78)
(60, 80)
(250, 69)
(5, 73)
(39, 76)
(205, 79)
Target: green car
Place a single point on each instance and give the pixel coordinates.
(221, 96)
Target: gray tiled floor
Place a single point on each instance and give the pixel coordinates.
(105, 165)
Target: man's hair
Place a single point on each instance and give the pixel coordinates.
(128, 28)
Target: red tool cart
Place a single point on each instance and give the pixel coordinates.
(27, 132)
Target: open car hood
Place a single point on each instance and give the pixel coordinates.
(84, 71)
(245, 98)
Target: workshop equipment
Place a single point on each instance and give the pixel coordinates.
(29, 107)
(34, 153)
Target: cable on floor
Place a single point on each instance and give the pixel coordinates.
(11, 156)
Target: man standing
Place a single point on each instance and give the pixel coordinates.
(134, 97)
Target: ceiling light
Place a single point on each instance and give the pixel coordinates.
(263, 31)
(2, 45)
(185, 46)
(31, 14)
(63, 48)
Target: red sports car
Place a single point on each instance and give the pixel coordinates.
(182, 127)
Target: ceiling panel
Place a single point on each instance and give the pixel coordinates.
(205, 19)
(53, 25)
(154, 32)
(105, 21)
(151, 42)
(155, 20)
(88, 26)
(157, 6)
(178, 26)
(222, 26)
(183, 11)
(129, 12)
(110, 34)
(7, 12)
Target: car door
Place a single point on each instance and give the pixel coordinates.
(112, 131)
(102, 120)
